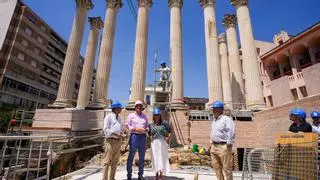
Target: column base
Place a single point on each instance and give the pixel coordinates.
(100, 104)
(61, 104)
(130, 106)
(255, 107)
(179, 105)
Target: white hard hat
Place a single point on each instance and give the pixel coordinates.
(138, 102)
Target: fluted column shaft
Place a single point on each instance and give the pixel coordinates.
(236, 76)
(87, 71)
(100, 92)
(254, 94)
(71, 61)
(176, 50)
(140, 52)
(212, 51)
(225, 71)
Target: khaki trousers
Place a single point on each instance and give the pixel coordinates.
(111, 158)
(221, 156)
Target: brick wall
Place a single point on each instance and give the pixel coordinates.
(257, 133)
(266, 124)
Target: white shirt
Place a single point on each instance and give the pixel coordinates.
(316, 129)
(164, 73)
(222, 129)
(112, 125)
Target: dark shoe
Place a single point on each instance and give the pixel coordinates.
(141, 178)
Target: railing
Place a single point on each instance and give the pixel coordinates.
(300, 75)
(31, 157)
(291, 78)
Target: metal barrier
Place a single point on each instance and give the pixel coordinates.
(31, 157)
(282, 161)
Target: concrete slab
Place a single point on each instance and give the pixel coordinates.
(95, 172)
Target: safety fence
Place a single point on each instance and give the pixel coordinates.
(32, 157)
(283, 161)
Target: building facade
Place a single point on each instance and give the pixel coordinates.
(291, 69)
(31, 61)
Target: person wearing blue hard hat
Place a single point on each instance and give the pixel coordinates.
(113, 132)
(222, 137)
(164, 75)
(298, 116)
(315, 116)
(160, 133)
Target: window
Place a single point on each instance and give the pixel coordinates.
(28, 31)
(25, 43)
(40, 40)
(37, 51)
(258, 51)
(303, 91)
(33, 63)
(270, 100)
(43, 28)
(148, 99)
(21, 56)
(32, 19)
(294, 94)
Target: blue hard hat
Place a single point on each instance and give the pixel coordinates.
(299, 112)
(315, 114)
(156, 111)
(116, 104)
(217, 104)
(162, 62)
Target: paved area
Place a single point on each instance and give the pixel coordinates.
(95, 173)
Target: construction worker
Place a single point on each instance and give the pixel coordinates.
(113, 132)
(160, 132)
(222, 137)
(316, 121)
(164, 75)
(298, 116)
(138, 126)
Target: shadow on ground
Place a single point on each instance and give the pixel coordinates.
(164, 177)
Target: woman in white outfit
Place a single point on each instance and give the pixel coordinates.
(160, 132)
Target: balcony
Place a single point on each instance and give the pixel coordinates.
(296, 81)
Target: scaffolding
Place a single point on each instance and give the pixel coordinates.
(161, 98)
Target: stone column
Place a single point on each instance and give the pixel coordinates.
(105, 56)
(237, 85)
(254, 94)
(212, 51)
(225, 71)
(71, 61)
(312, 54)
(176, 53)
(87, 72)
(140, 54)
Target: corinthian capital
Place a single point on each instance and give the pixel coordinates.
(145, 3)
(222, 38)
(116, 4)
(238, 3)
(95, 22)
(229, 20)
(175, 3)
(87, 4)
(205, 3)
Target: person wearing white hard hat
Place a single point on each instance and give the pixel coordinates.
(164, 75)
(138, 126)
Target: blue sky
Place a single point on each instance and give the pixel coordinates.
(268, 18)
